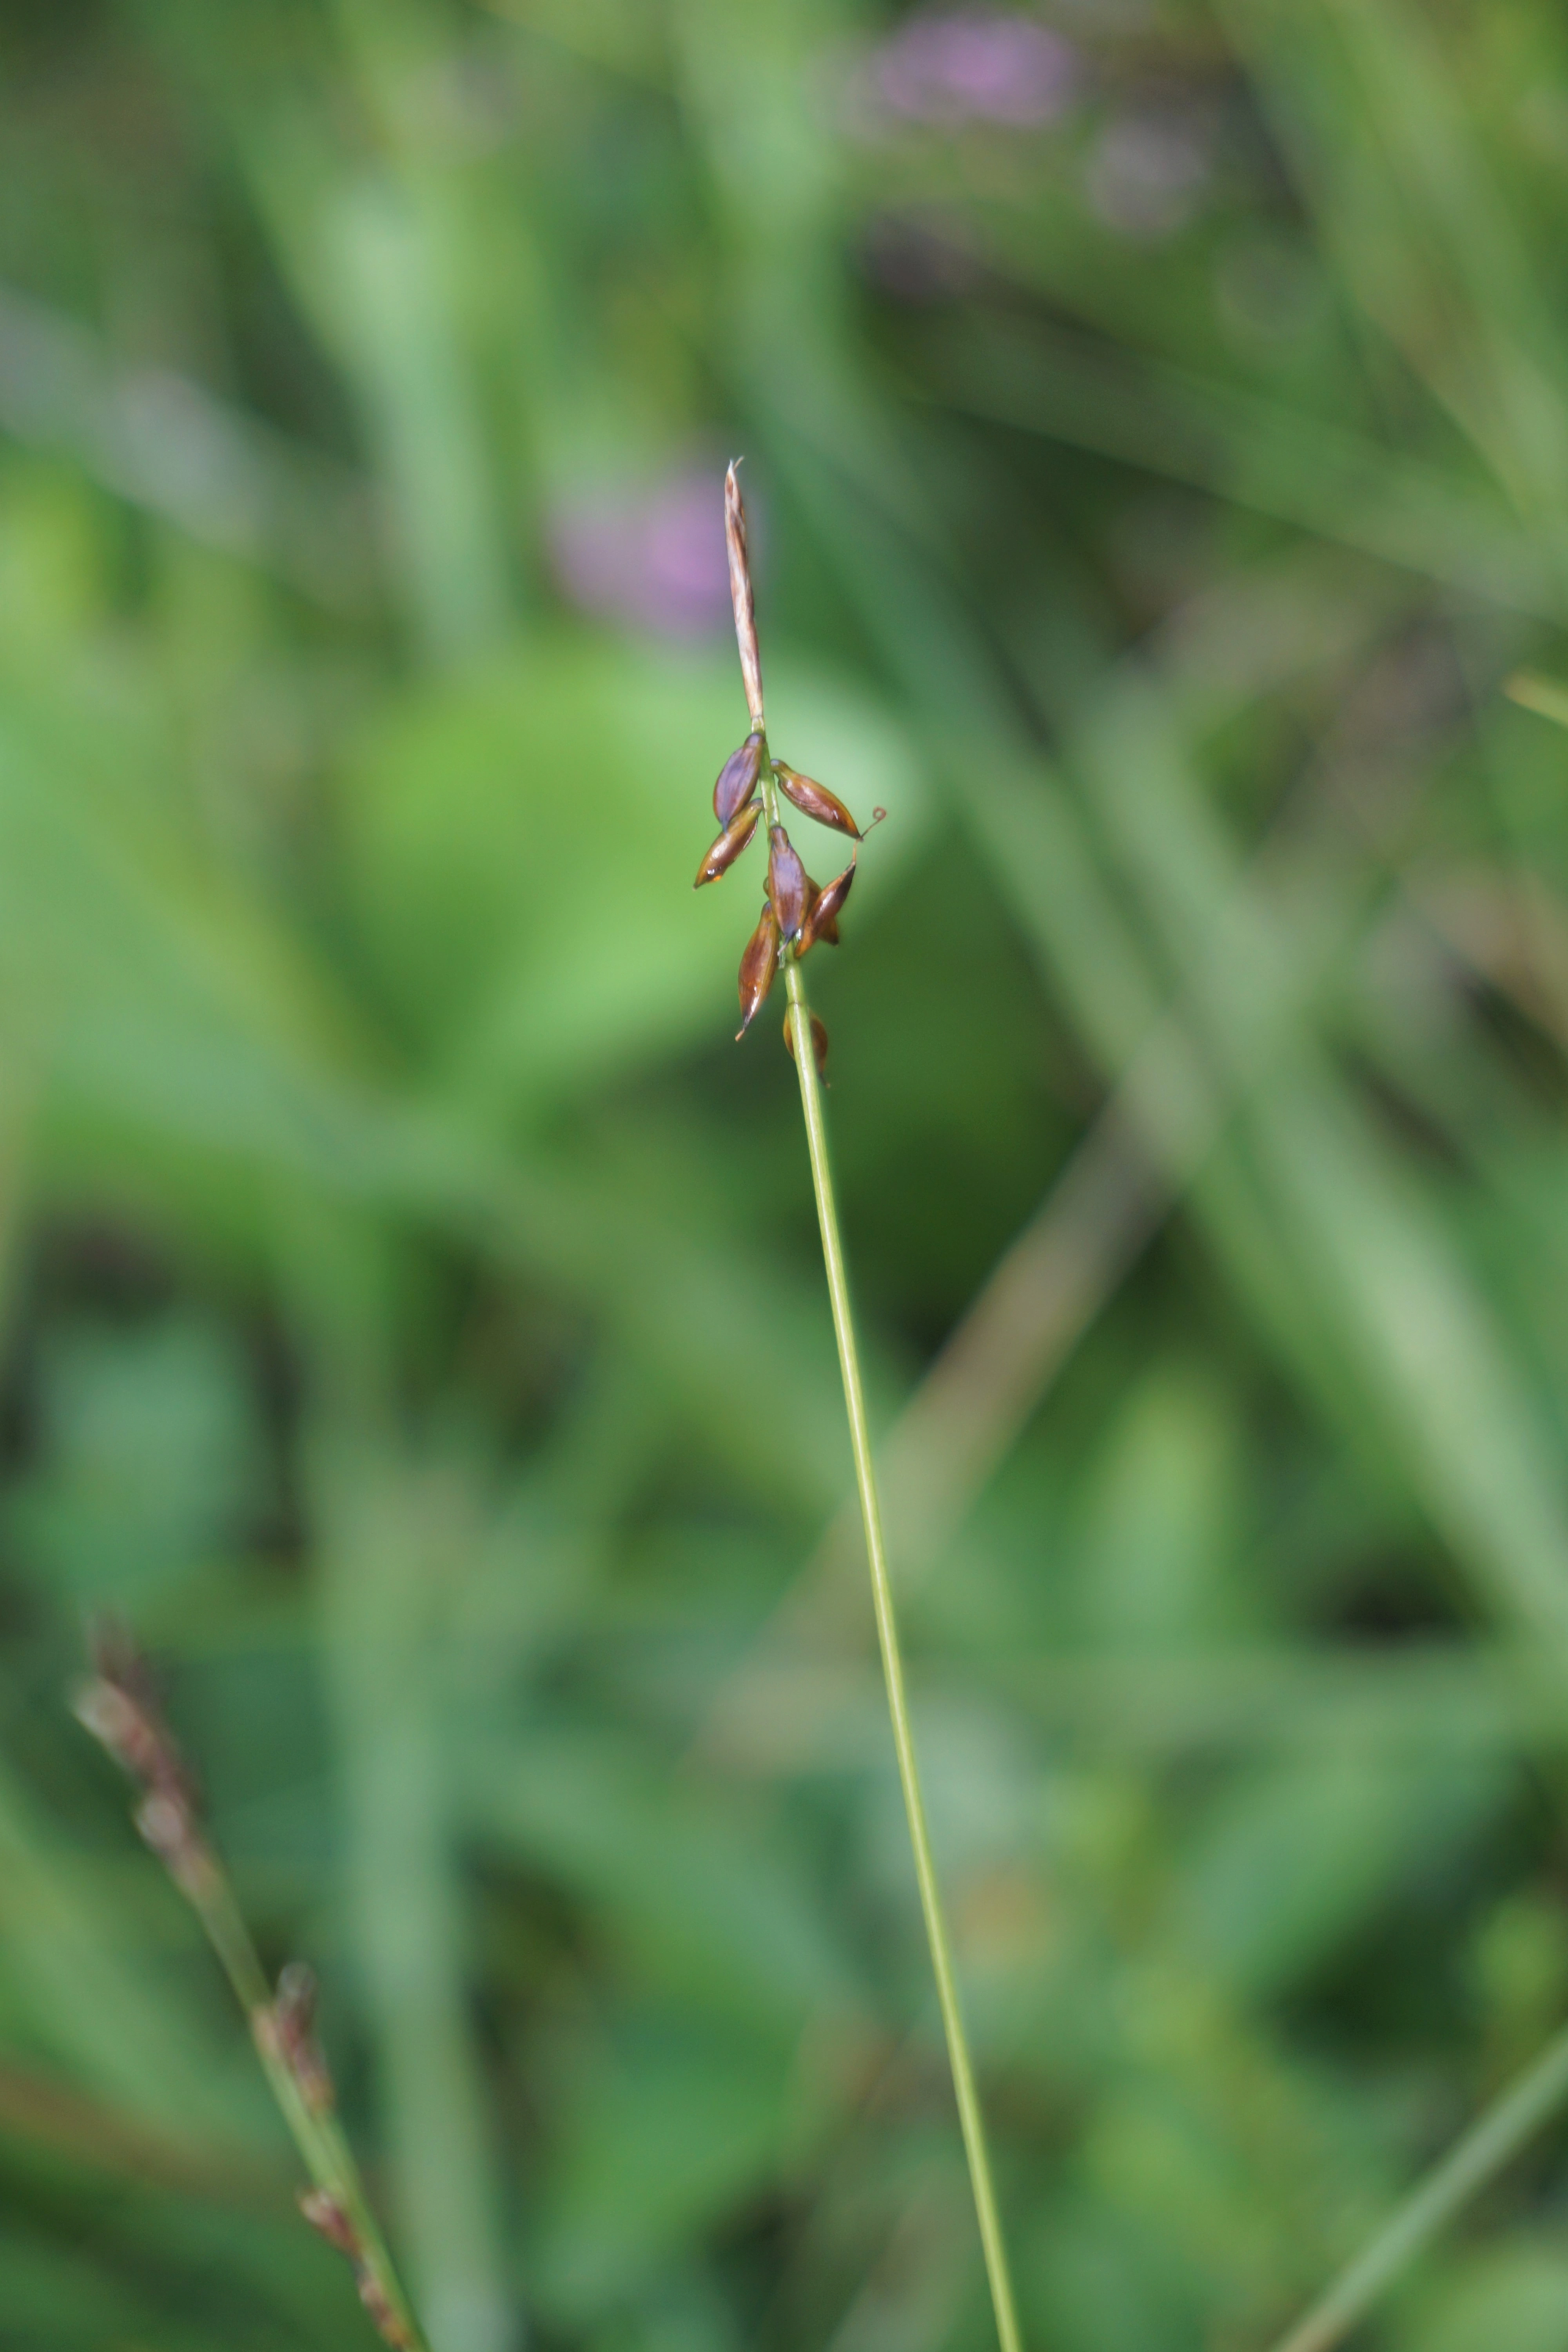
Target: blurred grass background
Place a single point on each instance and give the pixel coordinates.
(1156, 426)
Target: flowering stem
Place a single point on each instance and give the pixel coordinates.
(325, 2151)
(799, 1031)
(117, 1707)
(968, 2114)
(317, 2135)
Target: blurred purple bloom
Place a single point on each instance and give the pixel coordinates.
(653, 558)
(975, 64)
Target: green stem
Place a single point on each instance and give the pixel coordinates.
(1491, 2141)
(318, 2137)
(968, 2114)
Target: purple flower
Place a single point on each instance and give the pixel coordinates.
(653, 559)
(975, 64)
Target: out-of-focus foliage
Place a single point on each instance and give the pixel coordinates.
(1156, 427)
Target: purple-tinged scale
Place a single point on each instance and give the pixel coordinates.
(788, 883)
(737, 779)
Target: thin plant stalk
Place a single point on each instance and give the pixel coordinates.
(317, 2134)
(1492, 2141)
(969, 2114)
(119, 1707)
(798, 1017)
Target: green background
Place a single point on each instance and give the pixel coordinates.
(1155, 420)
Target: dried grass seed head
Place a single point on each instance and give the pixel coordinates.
(737, 779)
(292, 2023)
(326, 2215)
(758, 965)
(822, 915)
(789, 885)
(122, 1706)
(814, 800)
(735, 837)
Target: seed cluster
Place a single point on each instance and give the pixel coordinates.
(119, 1705)
(797, 912)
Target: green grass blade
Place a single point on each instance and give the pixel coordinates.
(1545, 696)
(1497, 2135)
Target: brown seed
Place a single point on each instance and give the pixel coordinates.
(293, 2024)
(737, 779)
(814, 800)
(296, 2001)
(389, 2324)
(325, 2214)
(819, 1043)
(164, 1822)
(822, 915)
(735, 837)
(758, 965)
(121, 1708)
(788, 883)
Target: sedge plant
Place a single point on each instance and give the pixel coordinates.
(796, 916)
(120, 1707)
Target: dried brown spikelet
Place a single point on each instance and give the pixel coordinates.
(822, 915)
(737, 779)
(327, 2216)
(758, 965)
(814, 800)
(293, 2018)
(387, 2323)
(788, 883)
(735, 837)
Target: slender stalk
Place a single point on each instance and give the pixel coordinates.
(317, 2134)
(798, 1018)
(1495, 2137)
(120, 1709)
(969, 2112)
